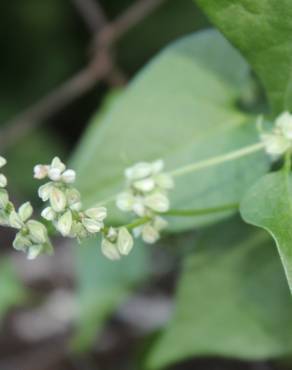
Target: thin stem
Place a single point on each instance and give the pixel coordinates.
(202, 211)
(206, 163)
(138, 222)
(217, 160)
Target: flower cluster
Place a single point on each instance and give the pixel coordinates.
(146, 196)
(32, 237)
(65, 206)
(279, 140)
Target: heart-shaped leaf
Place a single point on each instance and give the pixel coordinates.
(262, 31)
(232, 301)
(268, 204)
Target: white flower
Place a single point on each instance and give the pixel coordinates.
(279, 139)
(158, 202)
(110, 250)
(4, 199)
(25, 211)
(144, 185)
(64, 223)
(125, 201)
(48, 214)
(284, 123)
(69, 176)
(45, 191)
(151, 230)
(97, 213)
(150, 234)
(57, 199)
(40, 171)
(92, 226)
(2, 161)
(38, 232)
(138, 171)
(3, 181)
(125, 241)
(15, 221)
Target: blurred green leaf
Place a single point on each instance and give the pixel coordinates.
(262, 33)
(12, 293)
(182, 108)
(268, 204)
(103, 285)
(232, 301)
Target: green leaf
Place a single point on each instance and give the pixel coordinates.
(182, 108)
(232, 301)
(261, 30)
(12, 293)
(268, 204)
(102, 286)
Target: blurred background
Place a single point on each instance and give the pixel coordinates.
(61, 62)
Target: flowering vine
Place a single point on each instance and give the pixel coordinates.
(146, 196)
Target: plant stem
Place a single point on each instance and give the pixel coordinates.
(217, 160)
(202, 211)
(138, 222)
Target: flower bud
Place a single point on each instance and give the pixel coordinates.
(57, 200)
(125, 202)
(54, 174)
(25, 211)
(34, 251)
(109, 250)
(91, 225)
(98, 213)
(48, 214)
(69, 176)
(158, 202)
(150, 234)
(4, 199)
(40, 171)
(37, 232)
(3, 181)
(21, 242)
(138, 171)
(144, 185)
(45, 191)
(64, 223)
(58, 164)
(15, 220)
(2, 161)
(125, 241)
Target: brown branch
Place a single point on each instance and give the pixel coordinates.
(99, 68)
(113, 31)
(92, 14)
